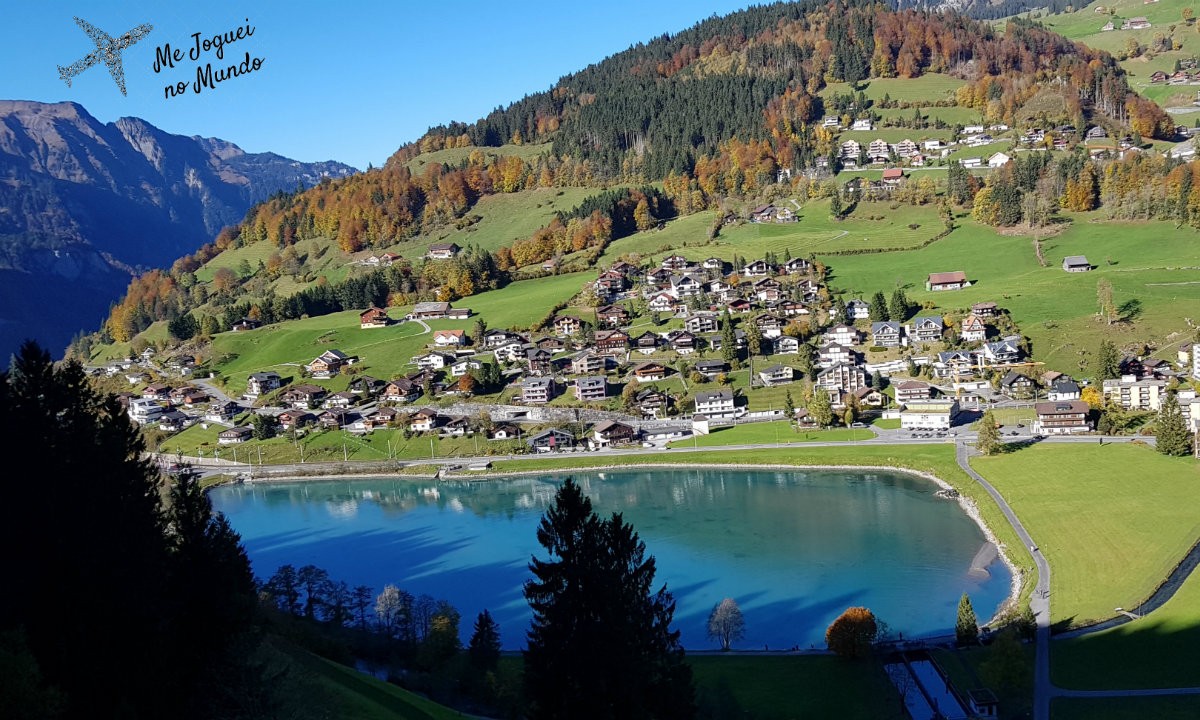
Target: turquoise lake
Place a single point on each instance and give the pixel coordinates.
(794, 548)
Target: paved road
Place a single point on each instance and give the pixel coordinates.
(1039, 603)
(213, 391)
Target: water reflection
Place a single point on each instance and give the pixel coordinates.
(794, 548)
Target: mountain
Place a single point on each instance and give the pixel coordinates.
(83, 204)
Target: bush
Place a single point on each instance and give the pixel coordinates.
(876, 349)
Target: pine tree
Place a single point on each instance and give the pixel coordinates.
(898, 307)
(1107, 363)
(789, 406)
(966, 629)
(484, 648)
(728, 338)
(988, 440)
(879, 308)
(839, 313)
(601, 645)
(1171, 432)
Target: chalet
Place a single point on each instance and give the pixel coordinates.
(768, 290)
(702, 322)
(675, 262)
(511, 351)
(1134, 394)
(144, 410)
(910, 390)
(843, 335)
(999, 160)
(495, 338)
(864, 124)
(858, 309)
(244, 324)
(235, 436)
(449, 338)
(462, 367)
(893, 176)
(917, 160)
(550, 440)
(832, 353)
(550, 265)
(869, 396)
(954, 363)
(538, 390)
(550, 343)
(327, 364)
(756, 269)
(591, 388)
(972, 163)
(1135, 23)
(459, 426)
(188, 396)
(769, 326)
(540, 361)
(373, 317)
(936, 415)
(182, 364)
(1063, 388)
(156, 391)
(650, 372)
(442, 251)
(790, 308)
(932, 145)
(222, 411)
(1076, 263)
(662, 302)
(947, 280)
(906, 148)
(1109, 27)
(885, 333)
(985, 309)
(716, 404)
(344, 399)
(1098, 133)
(831, 121)
(458, 313)
(303, 397)
(786, 345)
(927, 329)
(433, 361)
(652, 402)
(711, 368)
(877, 148)
(739, 305)
(612, 316)
(611, 341)
(612, 432)
(567, 325)
(1005, 350)
(424, 420)
(972, 129)
(289, 419)
(777, 375)
(1063, 417)
(686, 286)
(684, 343)
(784, 215)
(505, 431)
(973, 329)
(401, 390)
(1016, 385)
(587, 363)
(714, 264)
(430, 310)
(610, 282)
(262, 383)
(647, 342)
(842, 377)
(762, 213)
(850, 150)
(335, 418)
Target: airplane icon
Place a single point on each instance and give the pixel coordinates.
(107, 51)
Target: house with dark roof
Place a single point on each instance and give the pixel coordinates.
(1076, 263)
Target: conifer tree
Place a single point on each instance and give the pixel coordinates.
(966, 629)
(988, 439)
(879, 309)
(1171, 432)
(484, 648)
(1107, 363)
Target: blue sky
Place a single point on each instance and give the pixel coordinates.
(348, 81)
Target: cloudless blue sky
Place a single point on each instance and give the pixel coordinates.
(348, 81)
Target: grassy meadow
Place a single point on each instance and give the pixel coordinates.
(1113, 520)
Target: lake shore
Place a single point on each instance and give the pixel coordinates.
(967, 504)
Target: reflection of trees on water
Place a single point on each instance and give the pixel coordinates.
(756, 513)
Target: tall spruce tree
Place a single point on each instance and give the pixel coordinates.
(601, 645)
(484, 648)
(1171, 431)
(1106, 365)
(879, 308)
(728, 338)
(966, 628)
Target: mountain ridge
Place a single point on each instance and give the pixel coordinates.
(90, 203)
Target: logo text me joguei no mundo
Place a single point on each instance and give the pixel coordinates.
(166, 57)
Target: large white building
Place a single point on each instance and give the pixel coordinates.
(1134, 394)
(716, 404)
(929, 414)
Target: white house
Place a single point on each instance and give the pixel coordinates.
(937, 415)
(716, 404)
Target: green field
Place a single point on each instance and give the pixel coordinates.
(773, 432)
(1159, 650)
(520, 304)
(1113, 520)
(770, 688)
(1186, 707)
